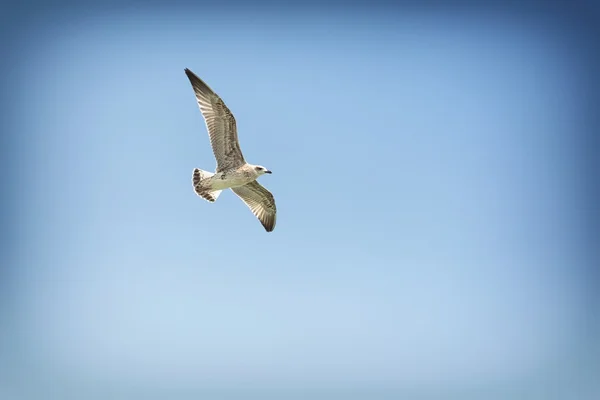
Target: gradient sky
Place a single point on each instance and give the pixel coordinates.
(429, 184)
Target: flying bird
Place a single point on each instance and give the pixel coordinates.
(232, 171)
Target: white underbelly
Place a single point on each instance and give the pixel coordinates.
(218, 182)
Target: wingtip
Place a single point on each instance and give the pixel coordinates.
(189, 73)
(269, 226)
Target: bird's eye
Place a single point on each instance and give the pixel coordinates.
(258, 168)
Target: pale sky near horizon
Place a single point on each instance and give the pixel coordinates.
(426, 178)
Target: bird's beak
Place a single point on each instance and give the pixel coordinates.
(268, 172)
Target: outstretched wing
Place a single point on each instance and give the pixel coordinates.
(220, 124)
(260, 201)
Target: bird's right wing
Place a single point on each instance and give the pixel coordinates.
(260, 201)
(220, 124)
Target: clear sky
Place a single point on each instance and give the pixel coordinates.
(431, 207)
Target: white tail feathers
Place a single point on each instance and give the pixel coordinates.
(200, 175)
(207, 194)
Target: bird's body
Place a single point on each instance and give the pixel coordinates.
(232, 171)
(229, 179)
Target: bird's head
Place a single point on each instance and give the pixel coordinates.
(260, 170)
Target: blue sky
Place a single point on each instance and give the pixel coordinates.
(428, 178)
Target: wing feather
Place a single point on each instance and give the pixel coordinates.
(220, 124)
(260, 201)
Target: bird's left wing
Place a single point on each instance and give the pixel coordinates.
(260, 201)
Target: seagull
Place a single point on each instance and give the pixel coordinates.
(232, 171)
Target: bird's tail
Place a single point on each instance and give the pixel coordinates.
(204, 192)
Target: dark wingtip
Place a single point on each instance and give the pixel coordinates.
(197, 83)
(269, 226)
(190, 74)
